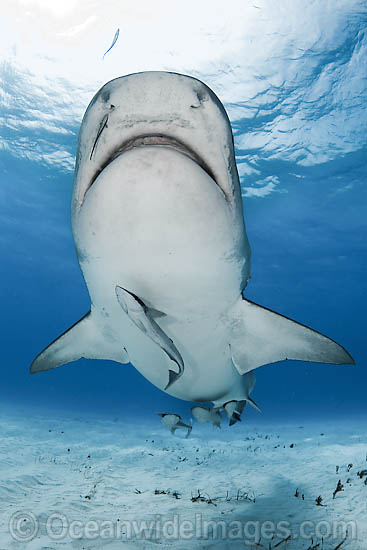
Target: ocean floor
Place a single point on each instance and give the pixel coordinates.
(90, 483)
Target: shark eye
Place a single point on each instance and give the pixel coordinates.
(202, 96)
(105, 96)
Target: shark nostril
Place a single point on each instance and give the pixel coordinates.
(202, 96)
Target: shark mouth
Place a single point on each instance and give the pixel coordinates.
(155, 140)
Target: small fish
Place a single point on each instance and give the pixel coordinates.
(206, 414)
(173, 421)
(113, 42)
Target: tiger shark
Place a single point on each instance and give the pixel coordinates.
(159, 231)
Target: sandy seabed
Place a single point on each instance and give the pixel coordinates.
(91, 482)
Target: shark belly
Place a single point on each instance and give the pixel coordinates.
(209, 371)
(155, 223)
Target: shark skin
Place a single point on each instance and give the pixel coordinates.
(159, 232)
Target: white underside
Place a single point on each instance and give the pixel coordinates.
(157, 225)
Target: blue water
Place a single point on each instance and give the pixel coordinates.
(302, 134)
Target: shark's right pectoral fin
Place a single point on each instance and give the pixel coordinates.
(261, 336)
(81, 340)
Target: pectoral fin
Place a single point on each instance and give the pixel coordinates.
(261, 336)
(81, 340)
(140, 315)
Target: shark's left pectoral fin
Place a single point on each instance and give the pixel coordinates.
(81, 340)
(261, 336)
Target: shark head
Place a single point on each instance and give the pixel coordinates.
(156, 108)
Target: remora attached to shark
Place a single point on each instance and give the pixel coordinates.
(159, 231)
